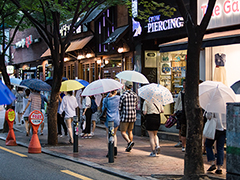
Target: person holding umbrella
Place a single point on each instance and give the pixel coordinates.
(111, 103)
(152, 112)
(127, 109)
(69, 105)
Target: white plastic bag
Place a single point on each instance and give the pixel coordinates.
(210, 128)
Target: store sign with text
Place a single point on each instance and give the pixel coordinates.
(26, 42)
(155, 24)
(225, 13)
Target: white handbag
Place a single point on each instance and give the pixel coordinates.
(210, 128)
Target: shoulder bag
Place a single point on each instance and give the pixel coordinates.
(210, 128)
(103, 116)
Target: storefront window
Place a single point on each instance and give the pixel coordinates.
(172, 71)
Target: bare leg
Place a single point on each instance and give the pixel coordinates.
(42, 126)
(26, 127)
(125, 136)
(130, 135)
(94, 126)
(151, 139)
(156, 139)
(69, 126)
(183, 141)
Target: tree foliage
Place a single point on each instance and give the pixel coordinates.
(151, 7)
(47, 16)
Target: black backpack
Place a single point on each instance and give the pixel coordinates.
(93, 105)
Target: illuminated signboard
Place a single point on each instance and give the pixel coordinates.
(225, 13)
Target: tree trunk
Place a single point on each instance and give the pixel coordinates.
(193, 157)
(53, 106)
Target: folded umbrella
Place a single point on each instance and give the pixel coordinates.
(7, 97)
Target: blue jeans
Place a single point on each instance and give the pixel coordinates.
(220, 138)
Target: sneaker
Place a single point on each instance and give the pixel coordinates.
(61, 135)
(183, 149)
(158, 149)
(218, 171)
(179, 144)
(92, 134)
(212, 167)
(152, 154)
(129, 147)
(82, 134)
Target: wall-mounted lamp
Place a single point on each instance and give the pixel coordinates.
(66, 59)
(120, 50)
(80, 57)
(99, 61)
(88, 55)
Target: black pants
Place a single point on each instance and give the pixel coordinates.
(60, 121)
(88, 115)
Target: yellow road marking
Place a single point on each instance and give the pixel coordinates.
(13, 152)
(75, 175)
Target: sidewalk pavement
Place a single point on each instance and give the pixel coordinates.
(130, 165)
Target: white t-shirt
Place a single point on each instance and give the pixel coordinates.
(69, 104)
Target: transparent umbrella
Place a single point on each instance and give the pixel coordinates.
(132, 76)
(156, 93)
(213, 96)
(101, 86)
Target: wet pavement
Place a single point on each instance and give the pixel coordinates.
(136, 164)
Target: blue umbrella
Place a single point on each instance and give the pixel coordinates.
(36, 84)
(50, 80)
(7, 97)
(83, 82)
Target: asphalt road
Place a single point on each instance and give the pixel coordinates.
(17, 163)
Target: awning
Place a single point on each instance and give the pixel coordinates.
(46, 53)
(115, 35)
(94, 13)
(79, 44)
(209, 40)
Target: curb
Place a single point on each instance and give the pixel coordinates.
(108, 170)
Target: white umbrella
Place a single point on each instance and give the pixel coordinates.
(101, 86)
(132, 76)
(156, 93)
(214, 95)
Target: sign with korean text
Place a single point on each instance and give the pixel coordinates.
(36, 117)
(225, 13)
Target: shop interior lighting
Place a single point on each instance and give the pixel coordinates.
(80, 57)
(106, 61)
(99, 61)
(120, 50)
(66, 59)
(88, 55)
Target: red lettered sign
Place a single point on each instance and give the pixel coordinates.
(36, 117)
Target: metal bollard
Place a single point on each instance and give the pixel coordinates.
(111, 142)
(75, 134)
